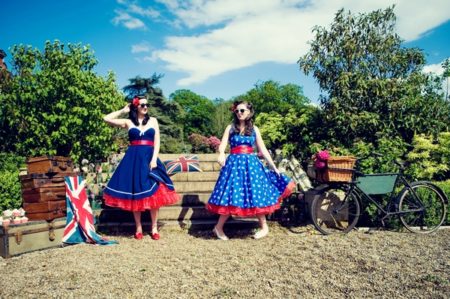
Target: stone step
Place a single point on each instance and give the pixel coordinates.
(193, 199)
(194, 187)
(195, 177)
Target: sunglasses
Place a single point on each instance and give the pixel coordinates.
(240, 110)
(144, 105)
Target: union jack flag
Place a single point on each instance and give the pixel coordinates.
(80, 220)
(182, 164)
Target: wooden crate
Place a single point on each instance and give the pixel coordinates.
(49, 164)
(31, 236)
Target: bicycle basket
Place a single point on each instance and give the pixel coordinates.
(339, 169)
(377, 183)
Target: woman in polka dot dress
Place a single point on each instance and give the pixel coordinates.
(245, 187)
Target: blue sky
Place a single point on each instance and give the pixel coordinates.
(216, 48)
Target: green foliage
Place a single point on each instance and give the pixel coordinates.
(222, 116)
(374, 86)
(11, 162)
(55, 102)
(174, 145)
(141, 86)
(445, 186)
(430, 157)
(289, 132)
(270, 96)
(10, 190)
(197, 116)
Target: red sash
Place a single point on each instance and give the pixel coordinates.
(142, 142)
(242, 149)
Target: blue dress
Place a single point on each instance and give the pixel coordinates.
(133, 186)
(245, 187)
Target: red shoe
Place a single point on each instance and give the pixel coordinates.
(138, 236)
(155, 236)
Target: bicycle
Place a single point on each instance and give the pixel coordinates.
(421, 206)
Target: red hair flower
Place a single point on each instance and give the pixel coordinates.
(232, 108)
(135, 101)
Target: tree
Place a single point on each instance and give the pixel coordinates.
(270, 96)
(141, 86)
(54, 103)
(165, 111)
(373, 86)
(222, 116)
(198, 112)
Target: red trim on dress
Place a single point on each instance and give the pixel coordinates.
(162, 197)
(233, 210)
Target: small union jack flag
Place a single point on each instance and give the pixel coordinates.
(182, 164)
(80, 220)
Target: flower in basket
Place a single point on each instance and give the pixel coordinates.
(320, 159)
(323, 155)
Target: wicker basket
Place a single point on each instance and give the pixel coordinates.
(339, 169)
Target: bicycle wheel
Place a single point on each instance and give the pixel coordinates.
(425, 212)
(335, 210)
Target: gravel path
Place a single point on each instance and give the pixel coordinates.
(287, 264)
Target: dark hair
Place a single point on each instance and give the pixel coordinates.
(248, 122)
(133, 114)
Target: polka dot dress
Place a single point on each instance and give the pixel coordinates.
(245, 187)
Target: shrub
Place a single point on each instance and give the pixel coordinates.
(445, 186)
(10, 190)
(203, 144)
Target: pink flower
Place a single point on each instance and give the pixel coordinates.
(318, 164)
(214, 142)
(323, 155)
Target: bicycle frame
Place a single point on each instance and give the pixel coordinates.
(391, 207)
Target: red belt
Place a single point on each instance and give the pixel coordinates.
(142, 142)
(242, 149)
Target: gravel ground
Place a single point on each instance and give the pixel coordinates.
(289, 263)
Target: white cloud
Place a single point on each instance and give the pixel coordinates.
(438, 70)
(146, 12)
(143, 47)
(434, 68)
(126, 20)
(244, 33)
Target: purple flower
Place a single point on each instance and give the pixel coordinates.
(323, 155)
(318, 164)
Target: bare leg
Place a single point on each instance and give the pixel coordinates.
(154, 215)
(137, 221)
(218, 229)
(263, 225)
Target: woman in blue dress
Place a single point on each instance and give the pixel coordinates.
(140, 182)
(245, 187)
